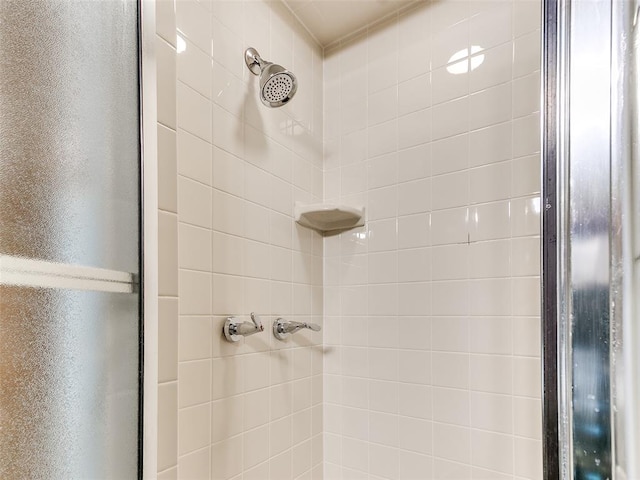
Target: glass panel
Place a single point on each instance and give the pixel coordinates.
(68, 384)
(69, 134)
(69, 193)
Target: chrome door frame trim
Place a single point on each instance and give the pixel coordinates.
(587, 319)
(584, 220)
(550, 258)
(148, 450)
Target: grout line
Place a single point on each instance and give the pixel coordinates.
(168, 127)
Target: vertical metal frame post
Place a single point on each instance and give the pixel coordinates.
(149, 216)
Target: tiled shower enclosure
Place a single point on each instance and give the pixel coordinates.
(428, 362)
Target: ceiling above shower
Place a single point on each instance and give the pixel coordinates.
(330, 20)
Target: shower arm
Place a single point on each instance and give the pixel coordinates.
(254, 61)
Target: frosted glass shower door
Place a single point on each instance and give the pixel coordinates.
(69, 239)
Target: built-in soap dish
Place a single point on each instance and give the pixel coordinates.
(327, 217)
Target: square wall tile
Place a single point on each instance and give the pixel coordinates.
(492, 412)
(496, 67)
(415, 197)
(193, 428)
(226, 417)
(449, 43)
(414, 163)
(225, 461)
(451, 406)
(527, 377)
(450, 226)
(167, 339)
(451, 370)
(450, 154)
(195, 293)
(167, 170)
(492, 374)
(450, 334)
(528, 458)
(193, 112)
(414, 94)
(451, 190)
(526, 54)
(526, 95)
(454, 443)
(170, 474)
(491, 144)
(167, 254)
(414, 128)
(527, 419)
(491, 259)
(450, 262)
(451, 118)
(167, 425)
(492, 451)
(195, 382)
(194, 68)
(448, 86)
(491, 335)
(383, 138)
(490, 107)
(414, 401)
(166, 20)
(414, 231)
(490, 183)
(166, 62)
(194, 157)
(526, 17)
(194, 252)
(195, 338)
(491, 26)
(193, 21)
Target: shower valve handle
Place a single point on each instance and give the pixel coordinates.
(282, 328)
(256, 321)
(233, 329)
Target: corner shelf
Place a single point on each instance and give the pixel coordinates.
(327, 217)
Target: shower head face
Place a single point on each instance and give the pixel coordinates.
(277, 85)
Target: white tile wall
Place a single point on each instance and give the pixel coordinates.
(428, 364)
(167, 243)
(230, 172)
(431, 364)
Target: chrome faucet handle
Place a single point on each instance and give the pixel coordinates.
(233, 329)
(256, 321)
(282, 328)
(313, 326)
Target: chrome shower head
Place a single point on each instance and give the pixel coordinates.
(277, 85)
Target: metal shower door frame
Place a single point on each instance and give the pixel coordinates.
(549, 227)
(589, 257)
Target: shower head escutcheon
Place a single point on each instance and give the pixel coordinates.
(277, 85)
